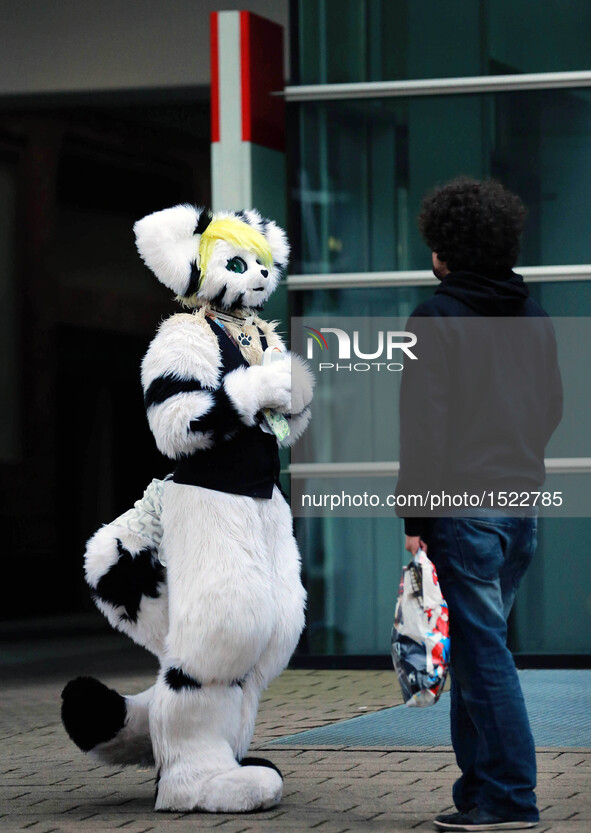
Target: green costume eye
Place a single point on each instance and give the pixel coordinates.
(236, 264)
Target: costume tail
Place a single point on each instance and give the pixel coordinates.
(128, 584)
(112, 728)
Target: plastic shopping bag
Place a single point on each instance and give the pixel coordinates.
(420, 636)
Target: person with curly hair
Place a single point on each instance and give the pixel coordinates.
(477, 409)
(473, 226)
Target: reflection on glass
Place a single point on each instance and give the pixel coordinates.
(370, 301)
(567, 299)
(344, 41)
(366, 164)
(351, 569)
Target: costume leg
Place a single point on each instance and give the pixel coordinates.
(289, 598)
(252, 688)
(195, 730)
(221, 620)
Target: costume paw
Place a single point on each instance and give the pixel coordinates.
(241, 789)
(260, 762)
(91, 712)
(251, 389)
(302, 385)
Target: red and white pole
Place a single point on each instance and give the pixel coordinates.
(247, 121)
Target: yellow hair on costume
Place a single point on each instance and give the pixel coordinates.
(238, 234)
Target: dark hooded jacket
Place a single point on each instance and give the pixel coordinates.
(481, 401)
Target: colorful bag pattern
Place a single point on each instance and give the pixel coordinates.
(420, 636)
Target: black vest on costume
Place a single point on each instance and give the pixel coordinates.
(245, 461)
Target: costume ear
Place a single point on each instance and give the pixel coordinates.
(275, 236)
(168, 243)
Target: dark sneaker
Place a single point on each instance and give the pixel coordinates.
(446, 821)
(479, 820)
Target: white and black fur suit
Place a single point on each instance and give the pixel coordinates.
(204, 571)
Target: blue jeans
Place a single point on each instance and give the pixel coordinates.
(480, 562)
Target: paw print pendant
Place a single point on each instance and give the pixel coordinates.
(244, 339)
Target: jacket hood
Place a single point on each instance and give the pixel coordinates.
(503, 294)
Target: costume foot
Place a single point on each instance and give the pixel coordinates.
(260, 762)
(238, 790)
(91, 712)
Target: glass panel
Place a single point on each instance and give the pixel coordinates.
(351, 569)
(356, 397)
(352, 564)
(553, 604)
(397, 302)
(558, 298)
(344, 41)
(365, 166)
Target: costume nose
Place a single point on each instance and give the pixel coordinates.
(264, 273)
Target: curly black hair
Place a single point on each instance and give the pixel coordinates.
(473, 225)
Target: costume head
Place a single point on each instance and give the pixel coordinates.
(229, 260)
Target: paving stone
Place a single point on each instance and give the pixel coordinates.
(48, 785)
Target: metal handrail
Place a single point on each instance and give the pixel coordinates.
(554, 465)
(438, 86)
(423, 277)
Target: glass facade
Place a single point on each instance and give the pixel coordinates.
(352, 568)
(362, 168)
(364, 173)
(349, 41)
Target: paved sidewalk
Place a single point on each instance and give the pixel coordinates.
(48, 785)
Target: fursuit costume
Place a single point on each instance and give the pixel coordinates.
(204, 571)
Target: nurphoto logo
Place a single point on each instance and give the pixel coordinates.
(386, 343)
